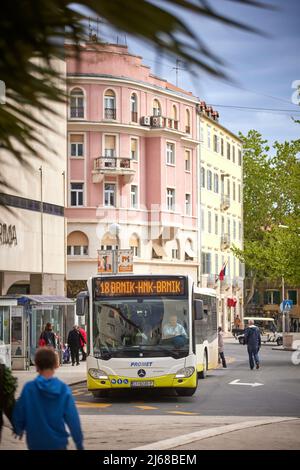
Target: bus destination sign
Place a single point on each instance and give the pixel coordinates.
(139, 287)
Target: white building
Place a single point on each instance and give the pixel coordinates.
(32, 225)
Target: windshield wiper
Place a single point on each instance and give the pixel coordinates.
(157, 347)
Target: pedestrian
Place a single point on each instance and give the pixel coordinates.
(8, 386)
(221, 347)
(237, 322)
(46, 404)
(253, 341)
(74, 338)
(82, 342)
(47, 337)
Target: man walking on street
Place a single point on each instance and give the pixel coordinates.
(253, 341)
(74, 338)
(221, 347)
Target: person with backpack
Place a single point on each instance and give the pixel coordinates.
(47, 337)
(253, 341)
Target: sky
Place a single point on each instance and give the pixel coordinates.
(262, 68)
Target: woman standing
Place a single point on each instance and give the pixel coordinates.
(47, 337)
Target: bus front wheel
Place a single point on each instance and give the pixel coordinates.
(185, 392)
(203, 372)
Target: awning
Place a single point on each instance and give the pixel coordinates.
(45, 299)
(189, 250)
(159, 250)
(109, 239)
(133, 241)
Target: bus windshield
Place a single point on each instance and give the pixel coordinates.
(126, 327)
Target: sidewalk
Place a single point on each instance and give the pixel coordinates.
(66, 372)
(264, 433)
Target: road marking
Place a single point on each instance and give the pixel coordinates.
(147, 407)
(76, 393)
(206, 433)
(182, 413)
(83, 404)
(237, 382)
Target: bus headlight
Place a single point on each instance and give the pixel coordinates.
(185, 372)
(98, 374)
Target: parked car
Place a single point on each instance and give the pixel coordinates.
(267, 328)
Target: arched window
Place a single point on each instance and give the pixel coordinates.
(77, 103)
(156, 108)
(110, 105)
(133, 106)
(174, 112)
(77, 244)
(174, 117)
(134, 243)
(187, 121)
(109, 242)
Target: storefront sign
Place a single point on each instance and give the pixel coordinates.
(8, 234)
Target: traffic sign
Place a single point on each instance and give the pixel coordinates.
(286, 305)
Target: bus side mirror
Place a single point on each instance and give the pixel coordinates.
(199, 312)
(82, 303)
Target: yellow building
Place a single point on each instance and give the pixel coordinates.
(220, 207)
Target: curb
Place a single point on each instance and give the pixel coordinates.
(178, 441)
(284, 349)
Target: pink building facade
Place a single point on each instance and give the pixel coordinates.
(132, 161)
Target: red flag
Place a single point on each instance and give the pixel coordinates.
(222, 272)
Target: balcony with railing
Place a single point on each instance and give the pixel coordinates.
(225, 283)
(113, 166)
(110, 113)
(237, 283)
(225, 202)
(160, 122)
(225, 241)
(77, 112)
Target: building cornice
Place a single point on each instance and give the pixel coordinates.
(110, 78)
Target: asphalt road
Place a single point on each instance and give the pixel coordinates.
(278, 394)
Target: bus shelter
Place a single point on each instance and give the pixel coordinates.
(28, 319)
(6, 306)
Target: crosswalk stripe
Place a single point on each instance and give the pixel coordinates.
(147, 407)
(82, 404)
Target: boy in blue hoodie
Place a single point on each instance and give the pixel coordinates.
(45, 406)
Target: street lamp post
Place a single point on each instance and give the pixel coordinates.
(114, 229)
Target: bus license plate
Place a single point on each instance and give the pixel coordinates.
(143, 383)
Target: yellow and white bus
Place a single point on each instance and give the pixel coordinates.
(148, 331)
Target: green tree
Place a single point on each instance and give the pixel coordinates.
(38, 29)
(271, 211)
